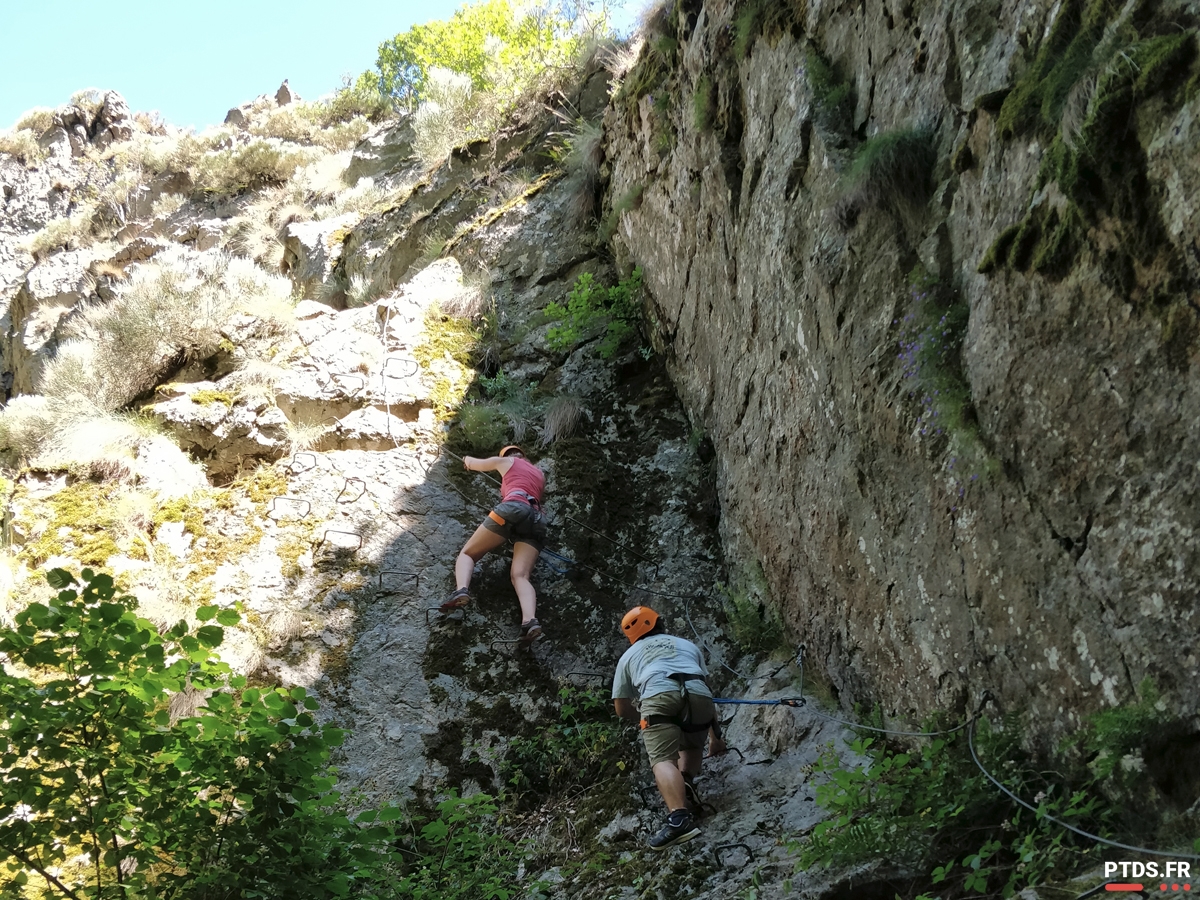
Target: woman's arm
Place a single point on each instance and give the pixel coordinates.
(491, 464)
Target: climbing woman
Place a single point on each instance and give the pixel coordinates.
(519, 518)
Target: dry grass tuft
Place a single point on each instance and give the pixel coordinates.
(563, 419)
(37, 120)
(170, 310)
(23, 145)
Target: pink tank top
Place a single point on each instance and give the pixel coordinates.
(523, 481)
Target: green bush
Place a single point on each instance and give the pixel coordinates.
(235, 800)
(890, 171)
(930, 809)
(495, 44)
(592, 311)
(22, 144)
(586, 745)
(461, 854)
(482, 428)
(833, 98)
(631, 199)
(755, 626)
(933, 811)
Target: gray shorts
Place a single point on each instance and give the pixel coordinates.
(519, 522)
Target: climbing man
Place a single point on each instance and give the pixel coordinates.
(666, 676)
(518, 517)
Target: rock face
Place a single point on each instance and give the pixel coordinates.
(1049, 552)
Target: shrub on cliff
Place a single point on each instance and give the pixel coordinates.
(889, 171)
(612, 314)
(134, 763)
(462, 76)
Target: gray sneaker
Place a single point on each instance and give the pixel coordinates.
(680, 827)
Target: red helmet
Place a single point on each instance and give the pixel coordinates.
(504, 451)
(638, 621)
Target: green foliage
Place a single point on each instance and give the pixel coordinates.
(482, 427)
(1098, 68)
(747, 25)
(71, 232)
(591, 310)
(755, 626)
(623, 204)
(890, 171)
(833, 98)
(703, 103)
(260, 163)
(763, 18)
(932, 334)
(22, 144)
(1111, 741)
(586, 745)
(461, 854)
(1037, 102)
(932, 809)
(361, 97)
(235, 800)
(497, 46)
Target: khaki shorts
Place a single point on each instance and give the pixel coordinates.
(663, 742)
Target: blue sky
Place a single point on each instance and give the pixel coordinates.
(192, 61)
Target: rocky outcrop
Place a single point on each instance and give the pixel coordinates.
(1043, 546)
(387, 151)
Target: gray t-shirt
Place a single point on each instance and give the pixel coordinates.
(644, 669)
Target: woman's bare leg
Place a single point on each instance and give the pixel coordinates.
(476, 546)
(525, 556)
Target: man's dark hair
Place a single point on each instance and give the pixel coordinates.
(657, 629)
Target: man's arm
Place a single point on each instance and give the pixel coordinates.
(716, 740)
(625, 709)
(499, 464)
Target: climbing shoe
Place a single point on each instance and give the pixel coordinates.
(680, 827)
(458, 600)
(530, 631)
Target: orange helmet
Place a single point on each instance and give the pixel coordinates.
(504, 451)
(638, 621)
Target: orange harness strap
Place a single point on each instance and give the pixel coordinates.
(495, 518)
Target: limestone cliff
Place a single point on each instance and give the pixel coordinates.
(780, 171)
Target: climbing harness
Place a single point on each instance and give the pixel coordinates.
(683, 720)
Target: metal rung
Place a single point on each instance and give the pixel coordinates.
(529, 644)
(444, 612)
(413, 575)
(720, 848)
(291, 463)
(346, 479)
(307, 506)
(352, 534)
(416, 366)
(362, 382)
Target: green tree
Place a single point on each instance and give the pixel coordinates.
(497, 44)
(105, 794)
